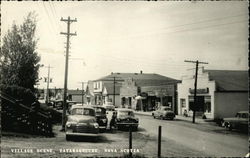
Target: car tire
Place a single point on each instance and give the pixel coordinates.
(68, 137)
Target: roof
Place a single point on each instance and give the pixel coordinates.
(229, 80)
(110, 88)
(74, 92)
(142, 79)
(90, 88)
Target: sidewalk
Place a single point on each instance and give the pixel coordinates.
(180, 117)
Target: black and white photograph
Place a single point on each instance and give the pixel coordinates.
(133, 79)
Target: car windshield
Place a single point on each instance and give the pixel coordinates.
(100, 111)
(125, 113)
(83, 111)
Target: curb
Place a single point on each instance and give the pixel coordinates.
(180, 119)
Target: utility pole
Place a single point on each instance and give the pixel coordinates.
(114, 93)
(83, 90)
(48, 81)
(68, 34)
(195, 84)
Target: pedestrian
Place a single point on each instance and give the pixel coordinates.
(113, 121)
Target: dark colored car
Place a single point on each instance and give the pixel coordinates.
(100, 113)
(58, 104)
(81, 122)
(164, 112)
(240, 121)
(126, 118)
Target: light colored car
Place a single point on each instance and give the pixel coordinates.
(164, 112)
(126, 118)
(240, 121)
(81, 122)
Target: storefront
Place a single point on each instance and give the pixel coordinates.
(156, 96)
(216, 97)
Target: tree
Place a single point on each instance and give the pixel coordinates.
(19, 61)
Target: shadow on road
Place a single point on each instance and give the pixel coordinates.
(98, 139)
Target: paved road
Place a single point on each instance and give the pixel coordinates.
(207, 139)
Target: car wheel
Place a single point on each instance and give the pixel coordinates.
(68, 137)
(153, 116)
(228, 126)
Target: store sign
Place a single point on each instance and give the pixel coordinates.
(199, 91)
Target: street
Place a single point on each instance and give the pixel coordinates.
(206, 139)
(178, 139)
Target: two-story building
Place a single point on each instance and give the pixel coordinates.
(131, 89)
(220, 93)
(149, 91)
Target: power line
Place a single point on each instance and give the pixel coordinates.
(203, 21)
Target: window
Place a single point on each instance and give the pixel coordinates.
(183, 103)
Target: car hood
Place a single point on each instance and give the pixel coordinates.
(81, 119)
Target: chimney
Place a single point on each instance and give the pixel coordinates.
(141, 72)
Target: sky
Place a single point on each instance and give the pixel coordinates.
(134, 36)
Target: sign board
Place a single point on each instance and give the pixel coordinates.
(199, 91)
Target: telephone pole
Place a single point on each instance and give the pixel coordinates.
(83, 90)
(195, 84)
(114, 93)
(48, 81)
(68, 34)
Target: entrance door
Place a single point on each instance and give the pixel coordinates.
(200, 103)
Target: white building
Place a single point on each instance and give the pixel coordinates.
(220, 93)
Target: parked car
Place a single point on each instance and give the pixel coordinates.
(240, 121)
(58, 104)
(81, 122)
(100, 113)
(164, 112)
(126, 118)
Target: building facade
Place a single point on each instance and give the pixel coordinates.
(148, 94)
(220, 93)
(140, 91)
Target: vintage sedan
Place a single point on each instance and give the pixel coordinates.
(100, 113)
(126, 118)
(81, 122)
(164, 112)
(240, 121)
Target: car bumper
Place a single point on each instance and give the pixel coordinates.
(127, 124)
(81, 134)
(102, 127)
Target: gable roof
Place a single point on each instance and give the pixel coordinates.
(229, 80)
(90, 88)
(142, 79)
(110, 88)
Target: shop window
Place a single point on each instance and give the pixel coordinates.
(183, 103)
(207, 104)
